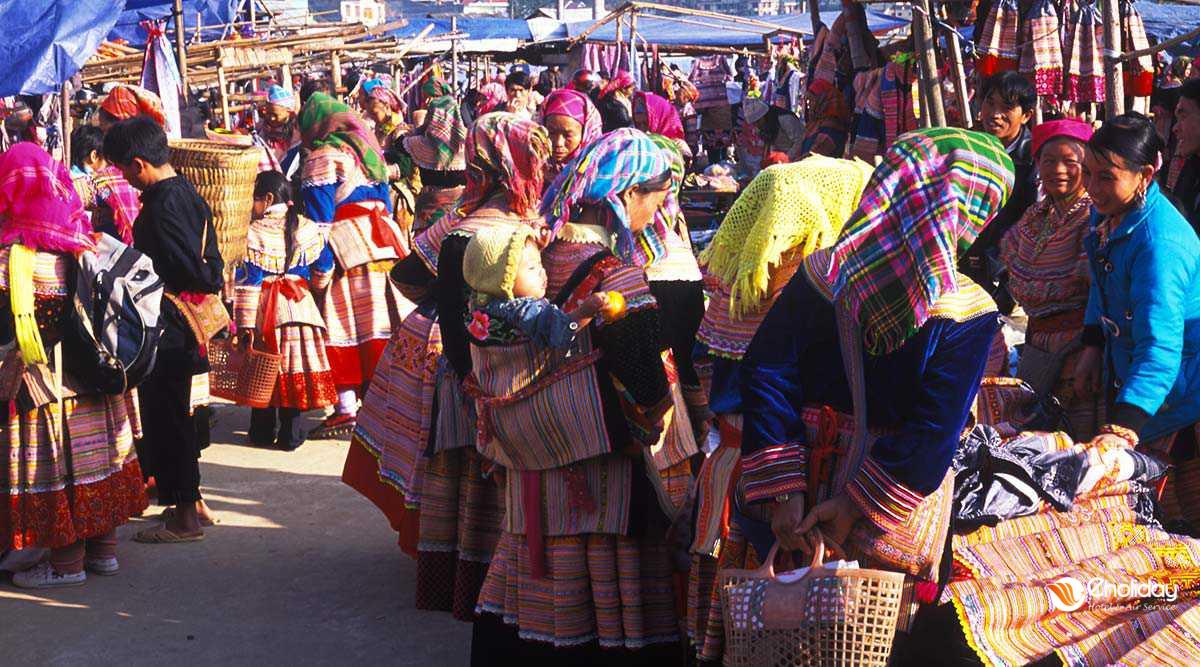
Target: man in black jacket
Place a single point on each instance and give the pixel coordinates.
(1007, 106)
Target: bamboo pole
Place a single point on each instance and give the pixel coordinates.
(814, 15)
(1161, 46)
(181, 50)
(633, 36)
(224, 85)
(960, 77)
(1114, 86)
(335, 74)
(923, 33)
(65, 121)
(453, 56)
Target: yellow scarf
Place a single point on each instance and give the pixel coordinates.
(20, 286)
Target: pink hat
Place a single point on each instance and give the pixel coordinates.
(1068, 127)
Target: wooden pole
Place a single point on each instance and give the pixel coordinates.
(335, 76)
(223, 83)
(960, 77)
(454, 57)
(814, 15)
(923, 32)
(285, 72)
(632, 36)
(65, 121)
(1114, 86)
(181, 50)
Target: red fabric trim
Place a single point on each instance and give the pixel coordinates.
(361, 473)
(354, 366)
(305, 391)
(61, 518)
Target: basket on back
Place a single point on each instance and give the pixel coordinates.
(224, 176)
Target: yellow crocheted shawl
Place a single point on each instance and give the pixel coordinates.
(799, 205)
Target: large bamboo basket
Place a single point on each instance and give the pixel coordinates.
(224, 175)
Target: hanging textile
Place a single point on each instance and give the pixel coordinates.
(160, 75)
(1138, 73)
(605, 58)
(1041, 49)
(1085, 59)
(998, 43)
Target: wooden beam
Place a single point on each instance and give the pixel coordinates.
(224, 85)
(181, 50)
(960, 76)
(927, 58)
(335, 73)
(1114, 86)
(1162, 46)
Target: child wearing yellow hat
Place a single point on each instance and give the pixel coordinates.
(504, 267)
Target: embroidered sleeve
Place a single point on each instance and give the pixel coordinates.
(321, 271)
(246, 293)
(882, 498)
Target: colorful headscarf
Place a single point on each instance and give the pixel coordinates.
(619, 81)
(1066, 128)
(661, 115)
(282, 97)
(328, 122)
(126, 101)
(583, 81)
(505, 151)
(616, 162)
(439, 144)
(578, 107)
(378, 90)
(927, 201)
(492, 96)
(801, 205)
(435, 87)
(39, 207)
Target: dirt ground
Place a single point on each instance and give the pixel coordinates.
(300, 570)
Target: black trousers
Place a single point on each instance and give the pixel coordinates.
(262, 427)
(172, 437)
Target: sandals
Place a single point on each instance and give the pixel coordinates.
(164, 535)
(334, 425)
(169, 513)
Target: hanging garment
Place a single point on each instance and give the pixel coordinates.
(998, 43)
(1139, 72)
(1041, 48)
(1085, 61)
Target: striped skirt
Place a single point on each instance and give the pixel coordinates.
(461, 511)
(64, 487)
(305, 378)
(610, 589)
(360, 309)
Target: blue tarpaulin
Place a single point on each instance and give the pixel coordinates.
(1165, 22)
(212, 13)
(44, 42)
(476, 28)
(721, 33)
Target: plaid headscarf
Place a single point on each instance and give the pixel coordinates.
(616, 162)
(126, 101)
(927, 201)
(508, 152)
(39, 207)
(376, 89)
(328, 122)
(439, 144)
(492, 96)
(578, 107)
(662, 117)
(619, 81)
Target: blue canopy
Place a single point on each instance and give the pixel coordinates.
(45, 42)
(1165, 22)
(723, 33)
(476, 28)
(212, 13)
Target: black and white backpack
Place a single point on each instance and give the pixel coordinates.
(111, 333)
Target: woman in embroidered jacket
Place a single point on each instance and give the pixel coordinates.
(582, 563)
(283, 252)
(436, 152)
(72, 475)
(1047, 265)
(345, 192)
(786, 213)
(925, 331)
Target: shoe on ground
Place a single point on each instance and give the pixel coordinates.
(43, 575)
(105, 567)
(333, 426)
(289, 447)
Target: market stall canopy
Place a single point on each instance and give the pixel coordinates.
(715, 32)
(1165, 22)
(44, 42)
(215, 13)
(475, 34)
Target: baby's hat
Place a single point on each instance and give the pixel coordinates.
(492, 258)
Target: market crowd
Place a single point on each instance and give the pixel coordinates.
(970, 356)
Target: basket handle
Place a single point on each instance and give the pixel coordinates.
(767, 569)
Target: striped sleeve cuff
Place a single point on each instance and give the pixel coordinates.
(774, 471)
(245, 306)
(881, 497)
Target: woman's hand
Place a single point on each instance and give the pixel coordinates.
(245, 338)
(786, 521)
(834, 517)
(1087, 372)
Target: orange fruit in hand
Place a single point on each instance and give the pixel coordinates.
(615, 309)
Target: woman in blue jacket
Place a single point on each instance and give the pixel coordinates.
(1143, 313)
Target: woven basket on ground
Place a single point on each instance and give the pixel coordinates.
(224, 176)
(828, 617)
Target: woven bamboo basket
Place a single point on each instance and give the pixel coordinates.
(224, 176)
(828, 617)
(246, 377)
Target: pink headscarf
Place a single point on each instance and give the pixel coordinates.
(620, 81)
(1069, 128)
(578, 107)
(661, 115)
(493, 96)
(39, 207)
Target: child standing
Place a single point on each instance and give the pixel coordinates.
(274, 310)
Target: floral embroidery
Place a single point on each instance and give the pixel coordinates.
(479, 325)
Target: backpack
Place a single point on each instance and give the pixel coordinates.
(111, 332)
